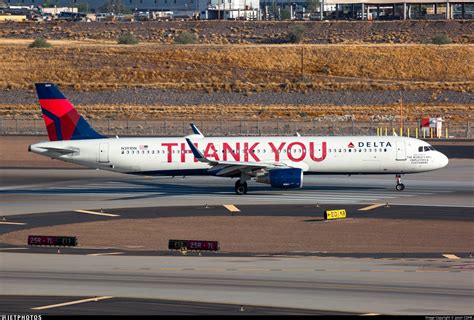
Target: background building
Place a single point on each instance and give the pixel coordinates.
(284, 9)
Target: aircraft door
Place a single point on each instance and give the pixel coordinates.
(401, 151)
(104, 153)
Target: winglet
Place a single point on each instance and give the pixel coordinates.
(195, 129)
(197, 154)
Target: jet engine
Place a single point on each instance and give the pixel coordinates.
(282, 178)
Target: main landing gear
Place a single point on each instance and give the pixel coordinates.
(400, 186)
(240, 188)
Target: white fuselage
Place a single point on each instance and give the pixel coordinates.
(316, 155)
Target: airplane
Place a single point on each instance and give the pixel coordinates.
(279, 161)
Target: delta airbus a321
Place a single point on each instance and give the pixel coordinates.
(280, 162)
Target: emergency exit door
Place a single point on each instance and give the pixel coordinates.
(104, 152)
(401, 151)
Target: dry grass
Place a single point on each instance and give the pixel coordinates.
(412, 112)
(89, 66)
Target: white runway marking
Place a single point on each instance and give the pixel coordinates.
(105, 254)
(98, 213)
(71, 303)
(12, 223)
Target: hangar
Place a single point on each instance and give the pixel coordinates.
(397, 9)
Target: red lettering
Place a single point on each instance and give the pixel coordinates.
(312, 152)
(214, 153)
(290, 154)
(234, 153)
(169, 146)
(185, 151)
(250, 151)
(277, 151)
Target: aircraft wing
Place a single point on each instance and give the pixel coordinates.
(230, 168)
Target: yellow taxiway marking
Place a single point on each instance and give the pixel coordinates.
(98, 213)
(71, 302)
(105, 254)
(15, 223)
(451, 256)
(375, 205)
(231, 208)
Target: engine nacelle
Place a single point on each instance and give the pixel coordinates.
(283, 178)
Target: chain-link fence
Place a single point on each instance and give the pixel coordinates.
(451, 129)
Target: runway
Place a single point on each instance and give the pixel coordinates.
(406, 286)
(30, 190)
(166, 283)
(59, 305)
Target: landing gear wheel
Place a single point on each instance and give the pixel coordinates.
(400, 187)
(240, 188)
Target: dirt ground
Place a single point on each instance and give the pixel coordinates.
(269, 234)
(258, 32)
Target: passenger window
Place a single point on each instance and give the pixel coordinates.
(427, 149)
(384, 150)
(420, 149)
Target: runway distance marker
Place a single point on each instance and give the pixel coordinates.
(231, 208)
(57, 241)
(373, 206)
(451, 256)
(13, 223)
(98, 213)
(195, 245)
(335, 214)
(71, 303)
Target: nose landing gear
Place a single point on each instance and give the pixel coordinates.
(240, 188)
(400, 186)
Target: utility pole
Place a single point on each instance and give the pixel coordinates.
(401, 113)
(302, 62)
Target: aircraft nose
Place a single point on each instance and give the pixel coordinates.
(443, 160)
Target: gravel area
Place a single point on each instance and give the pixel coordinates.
(419, 31)
(270, 234)
(142, 96)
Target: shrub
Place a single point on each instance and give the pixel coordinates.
(296, 34)
(127, 38)
(40, 43)
(185, 37)
(441, 39)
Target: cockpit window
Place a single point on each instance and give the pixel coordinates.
(425, 148)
